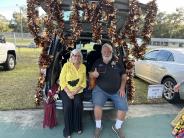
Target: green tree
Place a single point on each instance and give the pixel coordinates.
(169, 25)
(4, 27)
(19, 21)
(175, 21)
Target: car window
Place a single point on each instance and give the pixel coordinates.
(164, 55)
(171, 58)
(151, 55)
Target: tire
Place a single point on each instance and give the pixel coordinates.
(10, 62)
(169, 93)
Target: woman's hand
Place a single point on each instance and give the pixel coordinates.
(70, 95)
(176, 87)
(76, 90)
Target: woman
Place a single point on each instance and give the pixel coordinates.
(72, 82)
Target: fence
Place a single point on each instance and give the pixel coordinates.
(19, 39)
(17, 35)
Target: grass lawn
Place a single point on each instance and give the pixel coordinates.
(17, 87)
(141, 93)
(20, 41)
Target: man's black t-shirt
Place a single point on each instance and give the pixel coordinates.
(110, 74)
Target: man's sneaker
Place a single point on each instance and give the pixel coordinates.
(119, 132)
(97, 132)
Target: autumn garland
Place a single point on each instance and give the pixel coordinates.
(95, 21)
(148, 27)
(41, 40)
(111, 17)
(130, 32)
(151, 11)
(74, 23)
(54, 25)
(33, 24)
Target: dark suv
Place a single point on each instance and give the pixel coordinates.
(60, 53)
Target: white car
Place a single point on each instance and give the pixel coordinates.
(163, 66)
(7, 54)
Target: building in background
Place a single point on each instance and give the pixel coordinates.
(167, 42)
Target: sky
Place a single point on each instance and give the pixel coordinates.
(7, 7)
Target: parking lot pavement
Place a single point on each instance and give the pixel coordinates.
(143, 121)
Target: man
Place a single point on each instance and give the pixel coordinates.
(110, 84)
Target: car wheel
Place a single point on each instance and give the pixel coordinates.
(10, 62)
(169, 93)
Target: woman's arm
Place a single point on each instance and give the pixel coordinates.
(63, 81)
(62, 77)
(177, 86)
(69, 93)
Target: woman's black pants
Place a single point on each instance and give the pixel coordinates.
(72, 109)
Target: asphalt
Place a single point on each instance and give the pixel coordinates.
(143, 121)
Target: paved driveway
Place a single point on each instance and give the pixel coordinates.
(143, 121)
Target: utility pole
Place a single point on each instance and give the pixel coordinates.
(21, 25)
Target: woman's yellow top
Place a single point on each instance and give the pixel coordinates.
(72, 78)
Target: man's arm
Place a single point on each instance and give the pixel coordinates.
(123, 85)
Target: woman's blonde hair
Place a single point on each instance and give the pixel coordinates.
(74, 52)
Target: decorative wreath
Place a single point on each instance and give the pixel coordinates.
(95, 14)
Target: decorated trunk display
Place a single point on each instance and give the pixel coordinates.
(96, 19)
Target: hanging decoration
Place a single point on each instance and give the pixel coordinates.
(111, 19)
(33, 24)
(130, 33)
(95, 20)
(42, 40)
(74, 22)
(57, 15)
(148, 27)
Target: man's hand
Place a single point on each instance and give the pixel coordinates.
(122, 92)
(95, 73)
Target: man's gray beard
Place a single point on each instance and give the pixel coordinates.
(107, 59)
